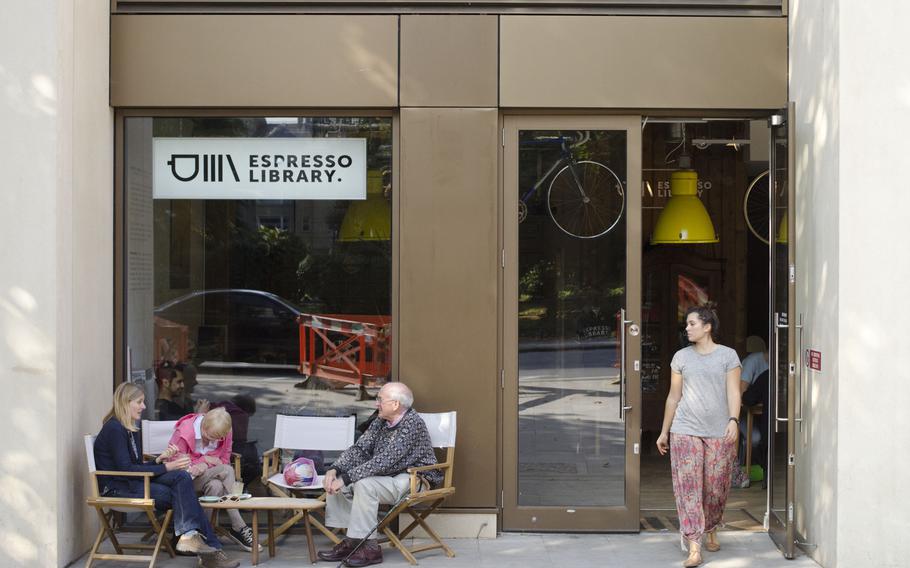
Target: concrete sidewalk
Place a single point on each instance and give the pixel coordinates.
(741, 549)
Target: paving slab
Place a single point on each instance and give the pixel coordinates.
(741, 549)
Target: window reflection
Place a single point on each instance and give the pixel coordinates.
(283, 301)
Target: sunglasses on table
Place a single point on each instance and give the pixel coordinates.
(224, 498)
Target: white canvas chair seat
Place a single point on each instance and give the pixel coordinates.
(155, 435)
(105, 506)
(420, 504)
(295, 433)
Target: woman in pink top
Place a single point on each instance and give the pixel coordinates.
(207, 440)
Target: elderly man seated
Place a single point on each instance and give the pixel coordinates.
(374, 471)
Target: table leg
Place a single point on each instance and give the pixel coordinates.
(271, 535)
(255, 537)
(748, 441)
(309, 537)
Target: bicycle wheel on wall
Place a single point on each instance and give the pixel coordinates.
(585, 199)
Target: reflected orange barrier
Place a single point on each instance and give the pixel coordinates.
(353, 349)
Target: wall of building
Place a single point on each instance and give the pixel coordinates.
(55, 285)
(84, 385)
(852, 94)
(815, 88)
(874, 117)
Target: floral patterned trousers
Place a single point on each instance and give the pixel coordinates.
(701, 470)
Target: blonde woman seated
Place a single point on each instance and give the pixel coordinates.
(118, 447)
(206, 439)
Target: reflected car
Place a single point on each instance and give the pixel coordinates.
(233, 325)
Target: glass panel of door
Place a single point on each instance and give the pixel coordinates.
(573, 388)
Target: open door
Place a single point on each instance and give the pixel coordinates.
(571, 317)
(784, 354)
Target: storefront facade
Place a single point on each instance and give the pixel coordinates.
(467, 113)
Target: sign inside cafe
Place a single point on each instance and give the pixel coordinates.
(259, 168)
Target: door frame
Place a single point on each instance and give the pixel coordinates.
(562, 519)
(782, 527)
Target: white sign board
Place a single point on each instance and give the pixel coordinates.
(259, 168)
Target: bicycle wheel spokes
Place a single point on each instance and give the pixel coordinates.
(588, 211)
(755, 207)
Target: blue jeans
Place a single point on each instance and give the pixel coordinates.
(174, 490)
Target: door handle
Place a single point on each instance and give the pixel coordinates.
(799, 371)
(623, 408)
(776, 370)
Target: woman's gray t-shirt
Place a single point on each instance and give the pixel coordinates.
(703, 409)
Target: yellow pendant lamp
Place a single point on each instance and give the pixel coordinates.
(783, 229)
(369, 219)
(684, 220)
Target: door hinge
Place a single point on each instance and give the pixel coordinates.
(502, 378)
(502, 498)
(792, 273)
(502, 258)
(503, 137)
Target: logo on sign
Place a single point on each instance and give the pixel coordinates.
(259, 168)
(212, 166)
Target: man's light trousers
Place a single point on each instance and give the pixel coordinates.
(356, 506)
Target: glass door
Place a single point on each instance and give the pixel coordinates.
(784, 353)
(571, 314)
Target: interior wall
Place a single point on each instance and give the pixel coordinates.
(874, 118)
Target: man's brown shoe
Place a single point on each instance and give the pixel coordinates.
(369, 553)
(217, 559)
(339, 551)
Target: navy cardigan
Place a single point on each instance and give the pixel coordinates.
(114, 452)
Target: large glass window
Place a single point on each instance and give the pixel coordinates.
(258, 258)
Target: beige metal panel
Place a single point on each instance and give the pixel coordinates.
(254, 60)
(449, 60)
(643, 62)
(448, 282)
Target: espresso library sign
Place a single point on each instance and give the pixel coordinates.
(259, 168)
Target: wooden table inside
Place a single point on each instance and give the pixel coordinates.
(269, 504)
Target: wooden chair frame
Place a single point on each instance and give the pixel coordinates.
(421, 504)
(271, 464)
(106, 506)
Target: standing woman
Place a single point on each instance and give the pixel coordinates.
(701, 424)
(118, 447)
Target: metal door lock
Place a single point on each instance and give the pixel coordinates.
(634, 330)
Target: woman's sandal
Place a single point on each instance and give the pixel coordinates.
(711, 545)
(694, 558)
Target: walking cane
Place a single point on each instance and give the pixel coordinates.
(369, 534)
